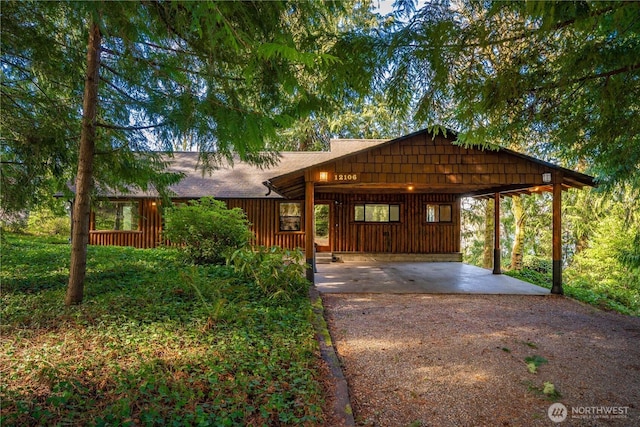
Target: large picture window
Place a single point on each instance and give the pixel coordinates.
(120, 215)
(376, 212)
(291, 216)
(438, 213)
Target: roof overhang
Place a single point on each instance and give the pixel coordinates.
(291, 185)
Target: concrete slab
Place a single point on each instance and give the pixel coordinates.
(418, 277)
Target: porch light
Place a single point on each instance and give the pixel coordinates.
(324, 177)
(546, 177)
(153, 203)
(410, 188)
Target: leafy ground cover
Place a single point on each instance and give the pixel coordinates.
(622, 299)
(156, 342)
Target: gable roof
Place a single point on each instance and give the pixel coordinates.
(429, 163)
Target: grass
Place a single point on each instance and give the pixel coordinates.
(154, 342)
(623, 301)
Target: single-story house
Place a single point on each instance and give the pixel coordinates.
(398, 197)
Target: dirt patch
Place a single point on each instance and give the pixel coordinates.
(453, 360)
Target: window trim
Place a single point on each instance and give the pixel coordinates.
(439, 210)
(364, 213)
(301, 216)
(135, 204)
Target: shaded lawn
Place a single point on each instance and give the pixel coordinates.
(155, 342)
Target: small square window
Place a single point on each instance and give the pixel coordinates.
(291, 216)
(438, 213)
(445, 213)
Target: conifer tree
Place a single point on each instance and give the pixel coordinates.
(126, 78)
(560, 77)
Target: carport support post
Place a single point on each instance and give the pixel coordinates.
(496, 235)
(309, 229)
(556, 286)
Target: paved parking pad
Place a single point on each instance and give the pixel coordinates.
(418, 277)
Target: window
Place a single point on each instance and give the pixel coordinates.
(438, 213)
(371, 212)
(291, 216)
(116, 215)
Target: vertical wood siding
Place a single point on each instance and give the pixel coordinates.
(148, 235)
(412, 235)
(263, 214)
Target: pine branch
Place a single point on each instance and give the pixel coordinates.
(121, 91)
(129, 128)
(559, 84)
(524, 35)
(178, 51)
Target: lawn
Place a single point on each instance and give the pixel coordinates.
(156, 342)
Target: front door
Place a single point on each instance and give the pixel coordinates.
(322, 221)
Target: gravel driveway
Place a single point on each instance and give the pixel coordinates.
(460, 360)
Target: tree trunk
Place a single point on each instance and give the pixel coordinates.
(519, 216)
(487, 253)
(84, 178)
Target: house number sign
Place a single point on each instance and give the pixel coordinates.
(345, 176)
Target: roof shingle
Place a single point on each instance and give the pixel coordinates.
(242, 180)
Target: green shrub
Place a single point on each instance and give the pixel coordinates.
(605, 271)
(207, 230)
(532, 276)
(44, 222)
(278, 273)
(536, 263)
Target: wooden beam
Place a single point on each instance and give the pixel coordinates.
(496, 236)
(556, 286)
(309, 229)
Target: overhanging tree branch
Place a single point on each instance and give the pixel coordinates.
(120, 91)
(129, 128)
(556, 85)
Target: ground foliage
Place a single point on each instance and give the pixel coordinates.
(278, 273)
(599, 240)
(155, 343)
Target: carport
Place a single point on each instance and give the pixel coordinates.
(419, 278)
(402, 197)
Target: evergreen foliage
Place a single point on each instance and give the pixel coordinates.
(222, 77)
(563, 77)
